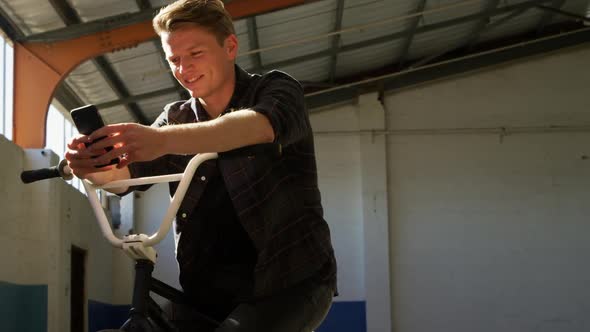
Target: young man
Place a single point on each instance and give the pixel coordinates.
(253, 248)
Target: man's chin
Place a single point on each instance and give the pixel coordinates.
(198, 93)
(194, 93)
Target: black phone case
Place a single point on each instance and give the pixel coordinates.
(87, 120)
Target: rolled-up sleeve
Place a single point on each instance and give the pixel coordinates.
(280, 98)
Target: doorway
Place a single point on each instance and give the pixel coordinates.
(77, 281)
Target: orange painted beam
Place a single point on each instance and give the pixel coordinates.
(34, 83)
(245, 8)
(40, 67)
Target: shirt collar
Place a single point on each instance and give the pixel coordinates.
(242, 79)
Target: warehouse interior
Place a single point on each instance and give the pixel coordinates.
(451, 140)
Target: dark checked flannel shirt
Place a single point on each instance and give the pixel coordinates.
(277, 200)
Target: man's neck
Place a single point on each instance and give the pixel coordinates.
(217, 103)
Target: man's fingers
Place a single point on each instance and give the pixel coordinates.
(72, 154)
(77, 163)
(108, 130)
(81, 154)
(105, 142)
(77, 141)
(82, 173)
(114, 153)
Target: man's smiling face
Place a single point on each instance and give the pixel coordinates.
(197, 59)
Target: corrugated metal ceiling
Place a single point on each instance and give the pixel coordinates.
(367, 42)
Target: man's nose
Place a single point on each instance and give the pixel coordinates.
(185, 64)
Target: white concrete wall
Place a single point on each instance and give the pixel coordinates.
(488, 232)
(339, 168)
(490, 236)
(39, 224)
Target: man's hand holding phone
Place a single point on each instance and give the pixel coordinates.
(131, 141)
(81, 160)
(87, 120)
(103, 147)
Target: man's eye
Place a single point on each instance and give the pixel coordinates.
(196, 53)
(173, 60)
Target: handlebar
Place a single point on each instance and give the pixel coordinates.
(62, 170)
(184, 178)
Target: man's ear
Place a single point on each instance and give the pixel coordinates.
(231, 46)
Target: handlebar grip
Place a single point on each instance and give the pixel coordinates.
(40, 174)
(270, 149)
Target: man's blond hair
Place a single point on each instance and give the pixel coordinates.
(208, 14)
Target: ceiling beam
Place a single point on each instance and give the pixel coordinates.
(118, 86)
(253, 41)
(549, 14)
(482, 24)
(67, 14)
(67, 97)
(183, 94)
(237, 9)
(9, 27)
(564, 13)
(480, 27)
(405, 50)
(502, 20)
(165, 91)
(136, 98)
(336, 40)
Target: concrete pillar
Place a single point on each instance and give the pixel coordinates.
(371, 116)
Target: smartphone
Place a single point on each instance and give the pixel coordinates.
(87, 120)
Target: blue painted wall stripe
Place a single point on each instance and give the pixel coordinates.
(345, 317)
(102, 316)
(23, 308)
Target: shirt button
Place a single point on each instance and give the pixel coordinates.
(183, 215)
(203, 178)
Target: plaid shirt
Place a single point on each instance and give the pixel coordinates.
(277, 200)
